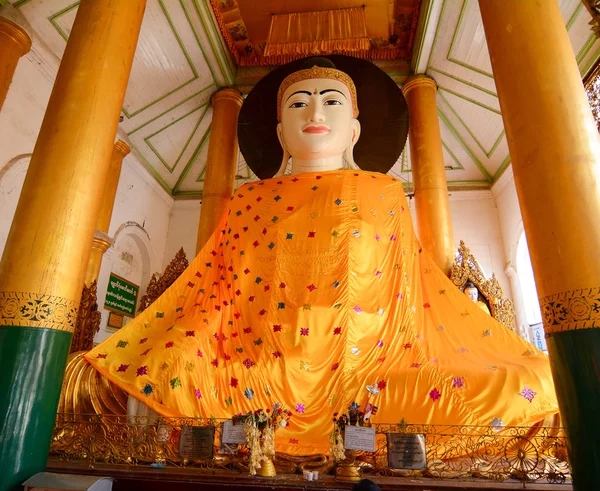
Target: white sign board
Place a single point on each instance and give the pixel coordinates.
(359, 438)
(233, 433)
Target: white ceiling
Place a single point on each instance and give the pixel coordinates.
(181, 60)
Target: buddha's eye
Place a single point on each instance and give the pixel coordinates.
(298, 104)
(332, 102)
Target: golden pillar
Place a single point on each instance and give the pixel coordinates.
(434, 222)
(100, 244)
(14, 43)
(47, 250)
(221, 163)
(555, 153)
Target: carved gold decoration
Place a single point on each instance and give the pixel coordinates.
(159, 284)
(37, 310)
(536, 454)
(592, 89)
(466, 268)
(569, 311)
(593, 7)
(88, 320)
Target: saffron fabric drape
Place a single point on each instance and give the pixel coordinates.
(314, 287)
(309, 33)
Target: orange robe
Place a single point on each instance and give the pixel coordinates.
(313, 287)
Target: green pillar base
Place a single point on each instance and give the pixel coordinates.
(32, 366)
(575, 362)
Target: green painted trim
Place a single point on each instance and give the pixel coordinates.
(4, 2)
(192, 159)
(218, 50)
(147, 139)
(590, 64)
(452, 129)
(20, 3)
(460, 167)
(197, 36)
(496, 142)
(574, 16)
(449, 56)
(188, 195)
(178, 37)
(58, 14)
(585, 49)
(151, 169)
(171, 109)
(437, 30)
(135, 113)
(466, 82)
(422, 27)
(574, 359)
(502, 168)
(477, 103)
(32, 364)
(201, 176)
(404, 164)
(53, 18)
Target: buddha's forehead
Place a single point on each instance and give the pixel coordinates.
(317, 84)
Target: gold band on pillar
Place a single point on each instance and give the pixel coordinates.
(101, 245)
(221, 163)
(49, 243)
(427, 161)
(14, 43)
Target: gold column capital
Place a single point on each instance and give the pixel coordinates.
(16, 33)
(415, 81)
(122, 148)
(102, 241)
(227, 94)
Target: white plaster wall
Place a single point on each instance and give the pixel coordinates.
(476, 221)
(509, 213)
(23, 110)
(183, 230)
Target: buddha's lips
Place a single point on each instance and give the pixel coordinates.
(316, 129)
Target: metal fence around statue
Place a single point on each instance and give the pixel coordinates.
(526, 454)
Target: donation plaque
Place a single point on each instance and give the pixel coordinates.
(406, 451)
(197, 442)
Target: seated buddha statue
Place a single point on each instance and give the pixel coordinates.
(314, 292)
(472, 293)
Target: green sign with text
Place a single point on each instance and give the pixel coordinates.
(121, 296)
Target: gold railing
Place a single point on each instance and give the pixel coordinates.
(526, 454)
(499, 453)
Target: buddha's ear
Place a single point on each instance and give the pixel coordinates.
(355, 131)
(349, 152)
(286, 154)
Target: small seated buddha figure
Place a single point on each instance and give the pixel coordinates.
(471, 291)
(314, 292)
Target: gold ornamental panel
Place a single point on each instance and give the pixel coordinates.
(467, 269)
(37, 310)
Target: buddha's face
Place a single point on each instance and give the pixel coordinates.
(317, 119)
(472, 293)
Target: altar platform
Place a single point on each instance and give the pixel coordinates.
(139, 478)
